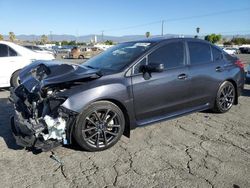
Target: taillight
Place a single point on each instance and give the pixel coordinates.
(239, 64)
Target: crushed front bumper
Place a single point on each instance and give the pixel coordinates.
(37, 134)
(26, 137)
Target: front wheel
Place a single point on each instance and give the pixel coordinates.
(14, 80)
(99, 126)
(225, 97)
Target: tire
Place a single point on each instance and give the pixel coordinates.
(81, 57)
(99, 126)
(14, 80)
(225, 97)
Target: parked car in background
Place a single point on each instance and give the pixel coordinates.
(244, 50)
(40, 50)
(231, 51)
(62, 49)
(84, 52)
(129, 85)
(13, 57)
(248, 74)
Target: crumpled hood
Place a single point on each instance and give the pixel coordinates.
(45, 73)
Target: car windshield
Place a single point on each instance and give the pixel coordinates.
(118, 57)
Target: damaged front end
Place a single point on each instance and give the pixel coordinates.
(40, 121)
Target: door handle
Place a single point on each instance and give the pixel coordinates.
(218, 69)
(182, 76)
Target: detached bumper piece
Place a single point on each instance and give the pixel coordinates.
(38, 124)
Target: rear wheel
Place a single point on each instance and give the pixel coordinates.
(225, 97)
(81, 57)
(99, 126)
(14, 80)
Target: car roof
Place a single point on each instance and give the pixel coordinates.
(6, 42)
(164, 39)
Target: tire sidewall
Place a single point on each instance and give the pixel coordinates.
(81, 120)
(223, 85)
(14, 79)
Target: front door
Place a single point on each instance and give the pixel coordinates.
(164, 93)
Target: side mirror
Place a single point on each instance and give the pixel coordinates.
(148, 69)
(152, 67)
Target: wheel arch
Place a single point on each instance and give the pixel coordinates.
(125, 112)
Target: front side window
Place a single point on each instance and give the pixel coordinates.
(118, 57)
(171, 55)
(12, 52)
(199, 53)
(138, 66)
(3, 50)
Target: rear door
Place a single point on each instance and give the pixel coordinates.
(164, 93)
(206, 71)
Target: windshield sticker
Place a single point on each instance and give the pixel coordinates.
(143, 44)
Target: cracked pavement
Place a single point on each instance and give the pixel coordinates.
(199, 150)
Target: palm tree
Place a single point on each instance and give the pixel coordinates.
(44, 39)
(1, 37)
(12, 36)
(147, 34)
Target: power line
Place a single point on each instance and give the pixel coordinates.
(179, 19)
(207, 15)
(134, 26)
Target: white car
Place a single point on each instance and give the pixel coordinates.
(231, 51)
(14, 57)
(39, 49)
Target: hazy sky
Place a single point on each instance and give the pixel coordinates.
(81, 17)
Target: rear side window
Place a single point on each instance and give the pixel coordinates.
(3, 50)
(199, 53)
(171, 55)
(217, 54)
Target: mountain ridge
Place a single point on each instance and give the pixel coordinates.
(87, 38)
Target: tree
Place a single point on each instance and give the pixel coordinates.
(109, 42)
(72, 43)
(227, 43)
(64, 43)
(239, 41)
(12, 36)
(213, 38)
(44, 39)
(1, 37)
(147, 34)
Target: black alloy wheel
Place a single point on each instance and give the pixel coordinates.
(225, 97)
(100, 126)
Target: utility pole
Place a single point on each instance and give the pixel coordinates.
(162, 27)
(102, 35)
(51, 39)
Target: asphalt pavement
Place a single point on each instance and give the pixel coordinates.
(199, 150)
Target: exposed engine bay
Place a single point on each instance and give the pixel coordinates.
(40, 121)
